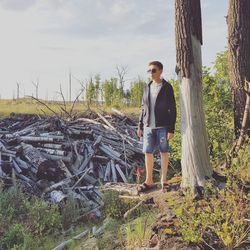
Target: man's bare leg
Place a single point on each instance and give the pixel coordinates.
(164, 166)
(149, 160)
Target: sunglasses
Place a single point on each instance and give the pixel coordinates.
(152, 70)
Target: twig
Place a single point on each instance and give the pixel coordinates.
(36, 99)
(73, 105)
(208, 244)
(125, 216)
(62, 95)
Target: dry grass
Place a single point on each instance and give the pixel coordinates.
(32, 106)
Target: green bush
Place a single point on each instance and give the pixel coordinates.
(240, 165)
(70, 212)
(221, 213)
(115, 207)
(44, 218)
(23, 217)
(17, 237)
(13, 204)
(218, 107)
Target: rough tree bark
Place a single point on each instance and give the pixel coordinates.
(195, 155)
(238, 21)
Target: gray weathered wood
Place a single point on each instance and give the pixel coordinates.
(121, 173)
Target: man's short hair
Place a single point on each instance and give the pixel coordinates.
(156, 63)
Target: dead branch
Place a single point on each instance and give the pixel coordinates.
(44, 104)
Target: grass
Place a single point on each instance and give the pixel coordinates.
(220, 215)
(33, 107)
(31, 223)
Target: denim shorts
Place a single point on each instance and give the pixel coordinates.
(155, 138)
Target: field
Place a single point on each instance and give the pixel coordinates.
(32, 106)
(223, 214)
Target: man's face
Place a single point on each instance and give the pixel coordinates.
(154, 72)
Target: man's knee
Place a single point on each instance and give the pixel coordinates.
(164, 154)
(148, 155)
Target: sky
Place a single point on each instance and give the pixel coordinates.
(44, 40)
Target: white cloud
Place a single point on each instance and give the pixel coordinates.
(122, 9)
(17, 4)
(45, 38)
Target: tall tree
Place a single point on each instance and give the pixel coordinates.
(238, 21)
(70, 85)
(136, 90)
(17, 90)
(97, 88)
(90, 91)
(195, 163)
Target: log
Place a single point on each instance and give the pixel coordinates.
(131, 210)
(22, 164)
(68, 156)
(54, 146)
(53, 151)
(16, 167)
(36, 139)
(86, 161)
(114, 176)
(121, 173)
(107, 172)
(121, 188)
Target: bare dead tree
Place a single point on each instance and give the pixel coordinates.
(64, 108)
(74, 102)
(17, 90)
(121, 72)
(70, 85)
(36, 85)
(82, 84)
(13, 94)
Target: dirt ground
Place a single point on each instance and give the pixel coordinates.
(159, 239)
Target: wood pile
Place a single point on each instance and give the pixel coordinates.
(55, 158)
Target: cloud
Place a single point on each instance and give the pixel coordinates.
(45, 38)
(122, 9)
(96, 18)
(17, 4)
(55, 48)
(109, 18)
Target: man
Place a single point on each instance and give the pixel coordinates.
(156, 123)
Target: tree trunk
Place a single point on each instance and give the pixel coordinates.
(239, 57)
(195, 155)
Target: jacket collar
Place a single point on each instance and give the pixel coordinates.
(164, 82)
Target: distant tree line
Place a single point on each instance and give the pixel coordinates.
(111, 93)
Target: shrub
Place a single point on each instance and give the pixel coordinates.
(13, 204)
(44, 218)
(17, 237)
(114, 206)
(220, 214)
(70, 211)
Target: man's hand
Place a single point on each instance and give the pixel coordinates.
(170, 136)
(139, 132)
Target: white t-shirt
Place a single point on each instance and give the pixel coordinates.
(154, 90)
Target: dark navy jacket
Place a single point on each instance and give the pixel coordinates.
(165, 107)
